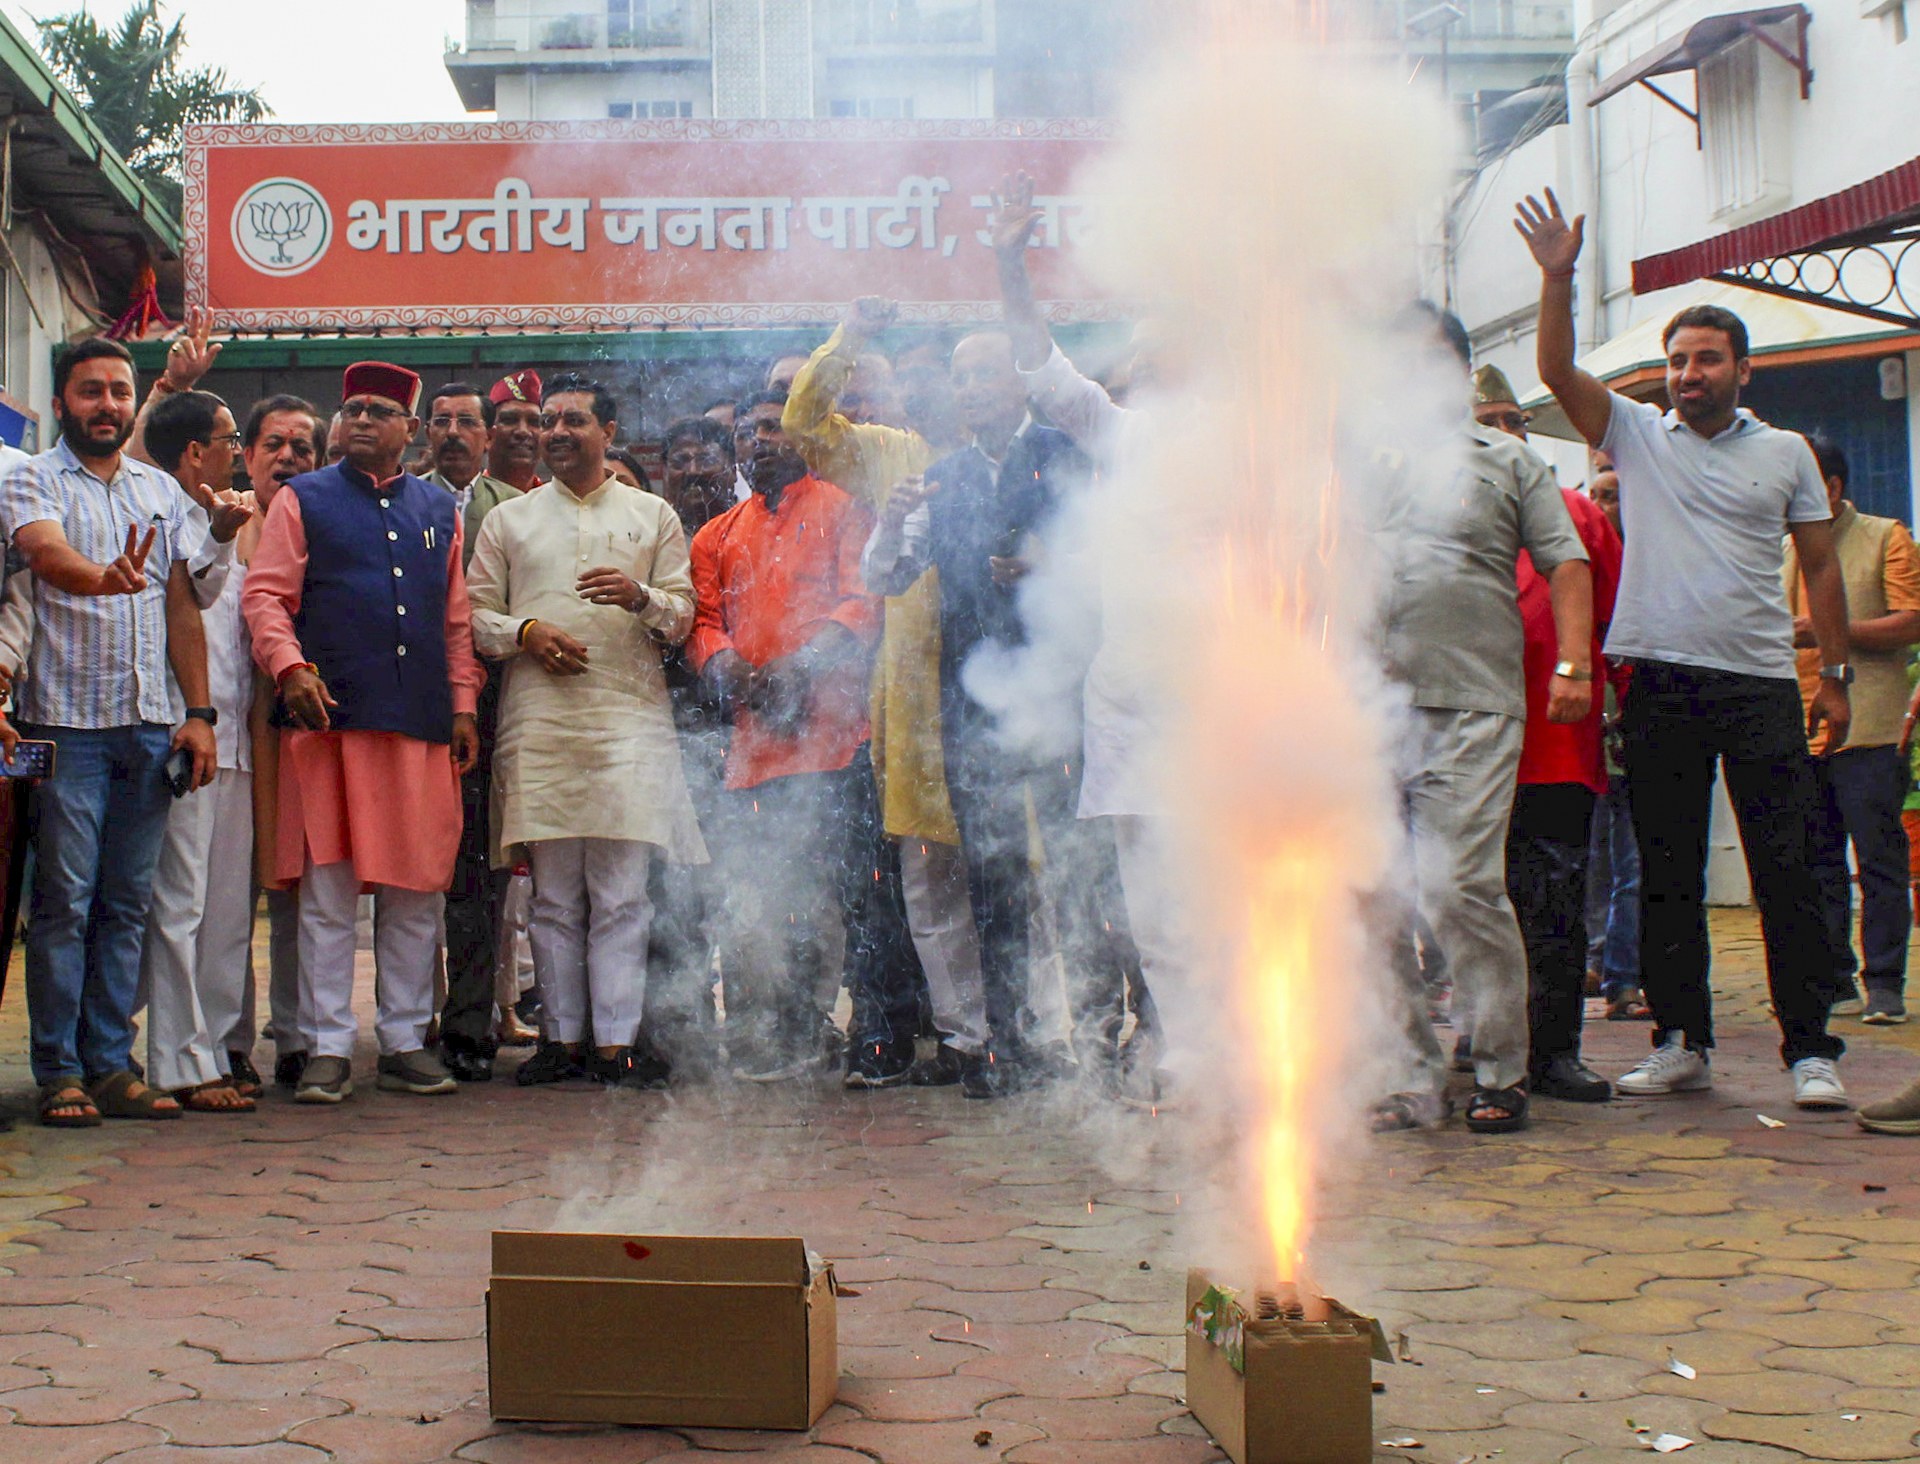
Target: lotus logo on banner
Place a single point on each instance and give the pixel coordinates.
(282, 226)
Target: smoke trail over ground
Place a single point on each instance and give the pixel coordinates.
(1264, 208)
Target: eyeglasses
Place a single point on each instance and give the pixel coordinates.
(465, 424)
(370, 409)
(231, 439)
(1508, 421)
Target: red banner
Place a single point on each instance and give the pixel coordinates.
(619, 225)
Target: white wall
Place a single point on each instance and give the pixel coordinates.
(938, 88)
(561, 96)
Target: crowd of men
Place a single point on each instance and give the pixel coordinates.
(733, 733)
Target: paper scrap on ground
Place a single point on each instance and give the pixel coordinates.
(1671, 1444)
(1679, 1368)
(1401, 1444)
(1766, 1122)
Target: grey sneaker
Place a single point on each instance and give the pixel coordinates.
(1899, 1114)
(418, 1071)
(1886, 1006)
(325, 1080)
(1845, 999)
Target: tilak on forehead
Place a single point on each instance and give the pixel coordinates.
(378, 378)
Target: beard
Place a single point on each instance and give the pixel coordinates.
(80, 439)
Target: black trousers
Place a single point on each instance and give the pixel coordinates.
(473, 901)
(1678, 722)
(1547, 882)
(989, 792)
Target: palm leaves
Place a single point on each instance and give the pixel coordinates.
(131, 79)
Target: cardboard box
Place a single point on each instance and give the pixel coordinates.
(659, 1329)
(1280, 1391)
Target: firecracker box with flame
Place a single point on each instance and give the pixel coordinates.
(663, 1330)
(1274, 1387)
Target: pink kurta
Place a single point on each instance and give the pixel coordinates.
(388, 802)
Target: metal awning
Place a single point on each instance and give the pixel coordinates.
(1781, 332)
(1704, 38)
(1854, 250)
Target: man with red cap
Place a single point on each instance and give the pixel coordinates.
(357, 602)
(513, 439)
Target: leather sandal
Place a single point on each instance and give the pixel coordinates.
(1510, 1103)
(64, 1093)
(115, 1097)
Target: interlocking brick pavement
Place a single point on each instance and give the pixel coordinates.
(305, 1285)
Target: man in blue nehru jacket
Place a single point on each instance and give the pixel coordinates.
(357, 601)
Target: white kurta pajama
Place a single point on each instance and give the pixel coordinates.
(586, 769)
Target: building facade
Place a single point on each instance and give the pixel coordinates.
(1713, 149)
(581, 60)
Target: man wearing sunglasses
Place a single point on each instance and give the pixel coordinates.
(357, 602)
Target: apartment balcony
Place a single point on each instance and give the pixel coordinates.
(904, 28)
(1478, 24)
(575, 35)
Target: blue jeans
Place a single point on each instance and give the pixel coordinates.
(1613, 894)
(1862, 790)
(97, 825)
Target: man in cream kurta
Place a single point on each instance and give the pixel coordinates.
(575, 586)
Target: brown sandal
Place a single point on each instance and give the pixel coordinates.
(122, 1095)
(65, 1093)
(222, 1095)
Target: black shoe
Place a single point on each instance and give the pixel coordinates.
(982, 1075)
(467, 1066)
(244, 1074)
(1571, 1081)
(287, 1069)
(644, 1072)
(945, 1068)
(879, 1065)
(551, 1063)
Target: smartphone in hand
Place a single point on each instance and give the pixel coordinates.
(29, 760)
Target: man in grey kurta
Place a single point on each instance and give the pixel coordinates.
(1455, 518)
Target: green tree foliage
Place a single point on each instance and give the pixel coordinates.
(130, 78)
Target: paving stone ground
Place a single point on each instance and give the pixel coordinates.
(306, 1285)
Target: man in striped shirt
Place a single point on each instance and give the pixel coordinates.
(108, 540)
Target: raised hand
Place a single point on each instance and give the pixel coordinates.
(907, 495)
(228, 514)
(1555, 243)
(127, 575)
(868, 317)
(1014, 216)
(191, 357)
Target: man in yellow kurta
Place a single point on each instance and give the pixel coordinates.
(866, 459)
(575, 586)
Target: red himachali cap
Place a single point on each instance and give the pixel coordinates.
(378, 378)
(522, 386)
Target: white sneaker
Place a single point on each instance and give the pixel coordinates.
(1816, 1084)
(1672, 1067)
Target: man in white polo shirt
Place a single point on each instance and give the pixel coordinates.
(1706, 491)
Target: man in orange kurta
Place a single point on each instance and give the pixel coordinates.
(784, 632)
(357, 603)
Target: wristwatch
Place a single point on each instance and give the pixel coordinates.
(1572, 672)
(1843, 673)
(209, 715)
